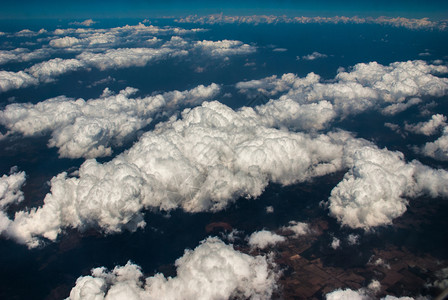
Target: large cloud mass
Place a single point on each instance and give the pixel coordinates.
(200, 163)
(89, 128)
(213, 270)
(212, 156)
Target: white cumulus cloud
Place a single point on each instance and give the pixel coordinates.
(263, 239)
(213, 270)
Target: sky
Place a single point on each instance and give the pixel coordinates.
(157, 8)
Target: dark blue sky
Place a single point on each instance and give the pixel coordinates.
(154, 8)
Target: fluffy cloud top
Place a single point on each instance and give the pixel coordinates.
(213, 270)
(90, 128)
(214, 155)
(204, 161)
(263, 239)
(390, 89)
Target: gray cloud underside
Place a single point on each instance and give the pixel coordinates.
(81, 128)
(213, 270)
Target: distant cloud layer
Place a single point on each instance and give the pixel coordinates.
(213, 270)
(423, 23)
(105, 49)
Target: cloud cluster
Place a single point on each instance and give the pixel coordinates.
(390, 89)
(90, 128)
(213, 270)
(263, 239)
(423, 23)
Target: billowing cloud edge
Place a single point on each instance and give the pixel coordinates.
(213, 270)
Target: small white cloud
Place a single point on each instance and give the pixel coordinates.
(313, 56)
(279, 50)
(87, 23)
(299, 228)
(269, 209)
(353, 239)
(335, 243)
(263, 239)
